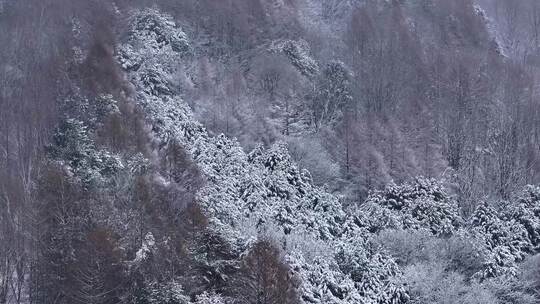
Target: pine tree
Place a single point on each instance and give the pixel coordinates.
(422, 204)
(72, 146)
(505, 243)
(526, 210)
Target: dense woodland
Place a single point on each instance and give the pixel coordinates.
(269, 151)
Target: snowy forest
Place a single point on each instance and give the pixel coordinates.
(269, 151)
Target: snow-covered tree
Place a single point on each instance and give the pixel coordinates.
(423, 204)
(526, 210)
(298, 53)
(73, 147)
(166, 293)
(159, 30)
(210, 298)
(505, 243)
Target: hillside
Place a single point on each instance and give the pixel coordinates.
(296, 151)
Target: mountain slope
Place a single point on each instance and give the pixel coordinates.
(262, 190)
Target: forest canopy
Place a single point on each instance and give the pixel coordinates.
(269, 151)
